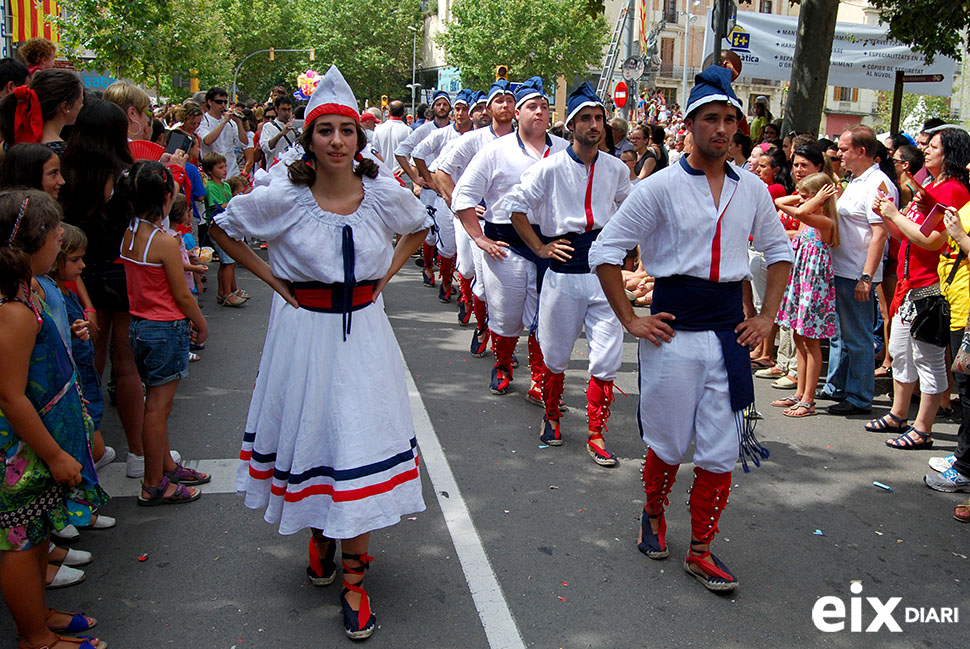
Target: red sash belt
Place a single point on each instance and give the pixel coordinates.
(330, 298)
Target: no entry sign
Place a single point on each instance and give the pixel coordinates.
(619, 94)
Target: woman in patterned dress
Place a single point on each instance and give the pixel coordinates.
(43, 426)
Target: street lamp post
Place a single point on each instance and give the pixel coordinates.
(235, 74)
(414, 65)
(689, 19)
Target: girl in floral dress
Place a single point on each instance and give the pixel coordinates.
(808, 306)
(42, 424)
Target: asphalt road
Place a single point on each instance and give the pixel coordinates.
(523, 546)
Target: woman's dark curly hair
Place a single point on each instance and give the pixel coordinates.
(955, 143)
(301, 172)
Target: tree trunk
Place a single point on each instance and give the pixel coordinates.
(810, 66)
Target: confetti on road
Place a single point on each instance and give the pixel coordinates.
(143, 558)
(882, 486)
(818, 533)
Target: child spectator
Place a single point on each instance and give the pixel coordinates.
(161, 307)
(42, 421)
(67, 269)
(180, 222)
(238, 185)
(217, 195)
(38, 53)
(808, 306)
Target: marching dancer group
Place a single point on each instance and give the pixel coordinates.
(533, 229)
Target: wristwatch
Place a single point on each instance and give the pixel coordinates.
(866, 277)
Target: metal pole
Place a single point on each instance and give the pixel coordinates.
(414, 65)
(897, 102)
(235, 74)
(683, 81)
(630, 13)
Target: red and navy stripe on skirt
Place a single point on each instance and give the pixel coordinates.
(326, 480)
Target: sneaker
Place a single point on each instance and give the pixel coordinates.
(550, 432)
(941, 464)
(950, 481)
(106, 459)
(136, 464)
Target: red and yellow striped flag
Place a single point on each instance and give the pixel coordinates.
(643, 25)
(29, 19)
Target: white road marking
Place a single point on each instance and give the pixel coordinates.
(493, 609)
(116, 483)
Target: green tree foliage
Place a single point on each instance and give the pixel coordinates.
(549, 39)
(931, 107)
(149, 41)
(368, 40)
(928, 26)
(253, 25)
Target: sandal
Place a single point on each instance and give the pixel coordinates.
(880, 425)
(357, 624)
(243, 294)
(808, 407)
(74, 643)
(653, 545)
(757, 363)
(156, 495)
(602, 456)
(232, 300)
(714, 574)
(79, 621)
(884, 371)
(962, 512)
(322, 570)
(905, 443)
(188, 477)
(786, 402)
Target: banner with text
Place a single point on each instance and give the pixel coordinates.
(862, 55)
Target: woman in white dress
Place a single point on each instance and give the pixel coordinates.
(329, 443)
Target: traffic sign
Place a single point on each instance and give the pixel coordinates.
(922, 78)
(619, 94)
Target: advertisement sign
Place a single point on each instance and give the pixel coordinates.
(862, 55)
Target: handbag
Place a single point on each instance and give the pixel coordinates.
(961, 362)
(932, 321)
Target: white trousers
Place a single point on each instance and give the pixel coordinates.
(684, 397)
(510, 285)
(915, 360)
(471, 261)
(444, 239)
(568, 302)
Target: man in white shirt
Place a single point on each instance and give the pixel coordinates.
(221, 130)
(387, 135)
(279, 134)
(692, 221)
(510, 269)
(570, 196)
(500, 106)
(424, 155)
(857, 265)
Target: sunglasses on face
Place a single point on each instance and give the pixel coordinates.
(220, 101)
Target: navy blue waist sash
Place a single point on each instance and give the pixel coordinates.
(578, 263)
(701, 305)
(506, 232)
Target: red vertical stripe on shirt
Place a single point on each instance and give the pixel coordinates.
(589, 198)
(716, 245)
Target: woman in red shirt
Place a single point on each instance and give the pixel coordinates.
(919, 258)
